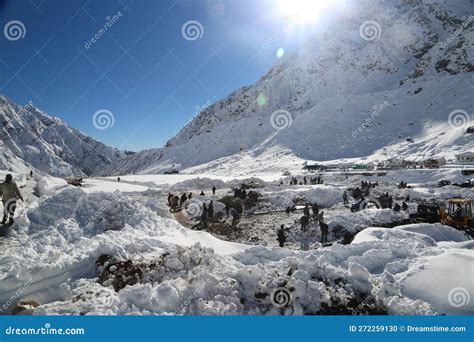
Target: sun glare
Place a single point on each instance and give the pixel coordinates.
(305, 11)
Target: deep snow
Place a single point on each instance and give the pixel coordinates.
(51, 252)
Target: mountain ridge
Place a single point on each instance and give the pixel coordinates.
(31, 138)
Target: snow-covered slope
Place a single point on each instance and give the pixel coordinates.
(346, 93)
(31, 138)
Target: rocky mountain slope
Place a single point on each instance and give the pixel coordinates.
(384, 72)
(33, 139)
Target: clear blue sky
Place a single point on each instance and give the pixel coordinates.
(141, 69)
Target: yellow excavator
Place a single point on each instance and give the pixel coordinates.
(459, 213)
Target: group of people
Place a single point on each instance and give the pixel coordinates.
(305, 181)
(240, 193)
(308, 214)
(368, 185)
(175, 202)
(208, 214)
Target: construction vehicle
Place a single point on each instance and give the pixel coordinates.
(459, 213)
(426, 213)
(76, 181)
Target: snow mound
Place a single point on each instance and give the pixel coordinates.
(325, 196)
(49, 185)
(446, 281)
(436, 231)
(385, 234)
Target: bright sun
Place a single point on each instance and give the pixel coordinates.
(304, 11)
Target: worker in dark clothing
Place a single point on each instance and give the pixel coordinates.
(204, 216)
(202, 193)
(175, 202)
(344, 198)
(306, 210)
(324, 231)
(281, 237)
(118, 179)
(227, 209)
(235, 216)
(304, 220)
(390, 201)
(404, 206)
(213, 190)
(287, 211)
(315, 209)
(210, 210)
(183, 199)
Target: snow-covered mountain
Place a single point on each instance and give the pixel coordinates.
(32, 139)
(384, 72)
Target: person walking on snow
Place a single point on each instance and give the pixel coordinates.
(315, 210)
(344, 197)
(235, 216)
(183, 199)
(306, 210)
(324, 229)
(210, 210)
(304, 220)
(204, 216)
(213, 190)
(10, 194)
(281, 237)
